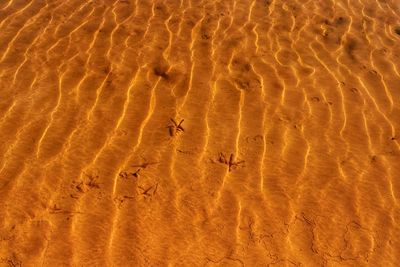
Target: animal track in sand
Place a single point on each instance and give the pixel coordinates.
(231, 162)
(55, 209)
(175, 127)
(354, 90)
(145, 164)
(315, 99)
(86, 185)
(255, 138)
(125, 174)
(148, 191)
(119, 200)
(11, 262)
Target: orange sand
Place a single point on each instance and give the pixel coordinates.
(288, 154)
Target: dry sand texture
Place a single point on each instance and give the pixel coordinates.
(199, 133)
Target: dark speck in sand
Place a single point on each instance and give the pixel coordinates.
(161, 72)
(340, 20)
(397, 30)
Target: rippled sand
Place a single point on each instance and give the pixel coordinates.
(199, 133)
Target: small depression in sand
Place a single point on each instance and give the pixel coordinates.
(199, 133)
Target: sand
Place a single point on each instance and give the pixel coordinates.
(199, 133)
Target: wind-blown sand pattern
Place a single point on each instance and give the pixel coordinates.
(199, 133)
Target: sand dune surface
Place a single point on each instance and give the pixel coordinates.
(199, 133)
